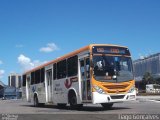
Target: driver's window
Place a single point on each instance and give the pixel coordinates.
(125, 65)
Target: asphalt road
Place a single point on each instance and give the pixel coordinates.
(24, 110)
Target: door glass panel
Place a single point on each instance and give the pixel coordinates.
(88, 90)
(85, 78)
(82, 69)
(87, 68)
(88, 79)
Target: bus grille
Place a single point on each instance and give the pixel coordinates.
(113, 87)
(116, 88)
(117, 97)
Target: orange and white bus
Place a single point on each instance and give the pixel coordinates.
(95, 74)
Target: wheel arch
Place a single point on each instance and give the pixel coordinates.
(72, 91)
(35, 94)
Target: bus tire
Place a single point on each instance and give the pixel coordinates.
(107, 105)
(35, 101)
(73, 101)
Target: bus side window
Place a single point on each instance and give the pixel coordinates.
(42, 75)
(72, 66)
(32, 78)
(24, 80)
(61, 69)
(55, 71)
(37, 76)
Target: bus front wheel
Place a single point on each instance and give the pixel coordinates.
(107, 105)
(73, 101)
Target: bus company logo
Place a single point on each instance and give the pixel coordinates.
(117, 91)
(68, 83)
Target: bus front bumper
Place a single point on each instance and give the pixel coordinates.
(106, 98)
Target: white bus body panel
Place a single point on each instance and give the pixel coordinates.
(106, 98)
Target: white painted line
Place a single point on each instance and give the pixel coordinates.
(154, 101)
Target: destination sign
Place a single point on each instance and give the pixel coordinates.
(110, 50)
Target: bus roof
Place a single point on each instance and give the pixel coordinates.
(70, 55)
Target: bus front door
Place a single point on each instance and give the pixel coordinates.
(85, 79)
(49, 85)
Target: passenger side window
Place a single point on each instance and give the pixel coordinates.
(32, 78)
(37, 76)
(42, 75)
(24, 80)
(72, 66)
(55, 71)
(61, 69)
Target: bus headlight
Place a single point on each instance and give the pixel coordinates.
(131, 90)
(98, 89)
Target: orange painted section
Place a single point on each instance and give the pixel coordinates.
(114, 88)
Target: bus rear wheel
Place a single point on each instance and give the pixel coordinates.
(35, 101)
(107, 105)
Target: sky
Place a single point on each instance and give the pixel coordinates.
(33, 32)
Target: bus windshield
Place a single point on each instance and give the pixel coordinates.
(112, 68)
